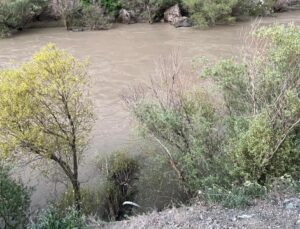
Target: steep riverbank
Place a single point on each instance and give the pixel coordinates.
(120, 58)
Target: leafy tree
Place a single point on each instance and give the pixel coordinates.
(15, 201)
(45, 111)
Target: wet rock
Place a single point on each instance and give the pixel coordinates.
(172, 14)
(127, 16)
(183, 22)
(174, 17)
(292, 204)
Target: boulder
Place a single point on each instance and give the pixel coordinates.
(172, 14)
(174, 17)
(127, 16)
(183, 22)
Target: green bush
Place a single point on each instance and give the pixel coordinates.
(251, 136)
(148, 10)
(106, 201)
(253, 8)
(263, 106)
(205, 13)
(94, 18)
(52, 218)
(15, 201)
(91, 200)
(111, 6)
(86, 16)
(184, 122)
(15, 14)
(121, 176)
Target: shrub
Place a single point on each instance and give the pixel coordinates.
(183, 121)
(111, 6)
(149, 10)
(235, 196)
(106, 201)
(15, 201)
(207, 13)
(91, 201)
(15, 14)
(94, 18)
(85, 16)
(52, 218)
(263, 106)
(253, 8)
(121, 176)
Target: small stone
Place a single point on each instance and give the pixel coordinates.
(291, 204)
(245, 216)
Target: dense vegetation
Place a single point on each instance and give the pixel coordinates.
(252, 137)
(100, 14)
(228, 144)
(15, 201)
(15, 14)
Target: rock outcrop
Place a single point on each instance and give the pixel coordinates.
(172, 14)
(127, 16)
(174, 17)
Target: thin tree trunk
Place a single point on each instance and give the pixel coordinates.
(77, 194)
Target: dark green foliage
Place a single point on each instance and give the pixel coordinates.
(16, 14)
(121, 176)
(106, 200)
(111, 6)
(14, 201)
(52, 218)
(86, 16)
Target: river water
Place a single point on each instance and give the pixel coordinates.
(119, 58)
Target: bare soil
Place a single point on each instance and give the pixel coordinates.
(264, 214)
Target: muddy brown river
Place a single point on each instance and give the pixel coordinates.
(119, 58)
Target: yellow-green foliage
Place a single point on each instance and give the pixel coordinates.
(32, 113)
(45, 111)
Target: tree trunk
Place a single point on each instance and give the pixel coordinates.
(77, 194)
